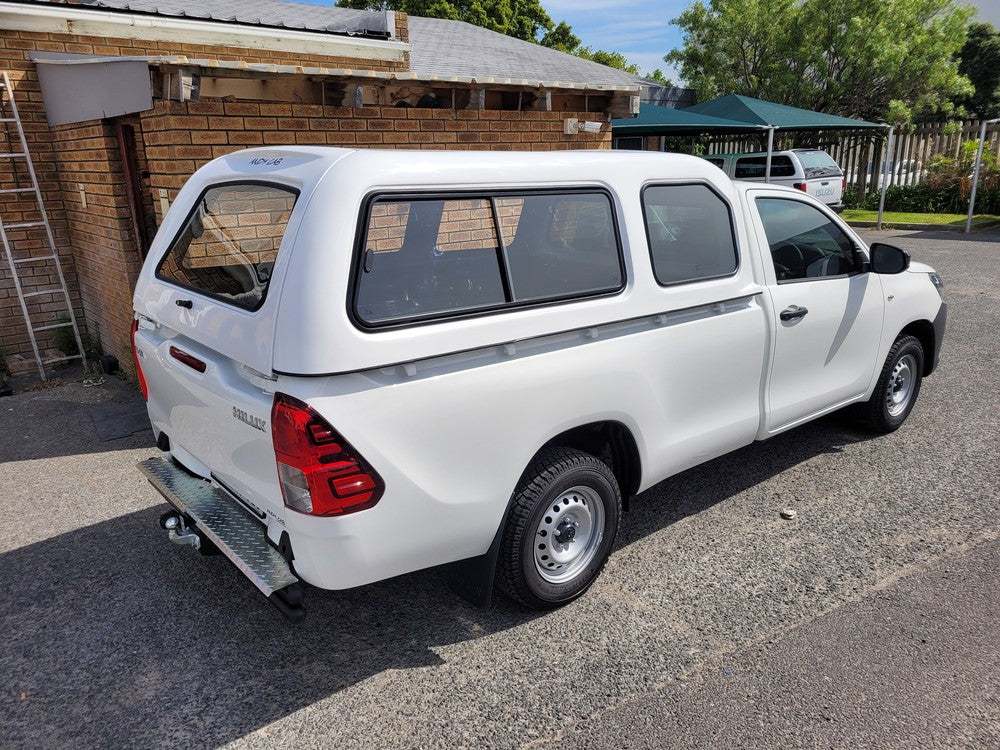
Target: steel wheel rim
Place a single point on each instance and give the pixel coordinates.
(902, 382)
(569, 534)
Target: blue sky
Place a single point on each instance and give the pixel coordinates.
(639, 29)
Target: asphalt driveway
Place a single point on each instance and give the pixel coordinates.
(868, 620)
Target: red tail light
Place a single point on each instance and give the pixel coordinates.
(319, 472)
(799, 186)
(843, 185)
(138, 368)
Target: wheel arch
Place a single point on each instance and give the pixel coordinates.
(923, 331)
(611, 442)
(607, 440)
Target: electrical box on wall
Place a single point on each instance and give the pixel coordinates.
(573, 126)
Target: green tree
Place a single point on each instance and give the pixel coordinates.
(980, 63)
(611, 59)
(856, 58)
(562, 38)
(658, 77)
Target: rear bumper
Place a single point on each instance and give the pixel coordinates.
(219, 519)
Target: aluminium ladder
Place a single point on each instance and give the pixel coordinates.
(49, 256)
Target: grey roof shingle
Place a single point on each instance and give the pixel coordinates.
(438, 47)
(270, 13)
(441, 47)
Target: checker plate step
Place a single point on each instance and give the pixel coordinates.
(238, 536)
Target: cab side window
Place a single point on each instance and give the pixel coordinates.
(804, 242)
(690, 233)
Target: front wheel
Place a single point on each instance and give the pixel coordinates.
(560, 530)
(898, 387)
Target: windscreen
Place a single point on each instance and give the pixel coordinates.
(229, 243)
(818, 164)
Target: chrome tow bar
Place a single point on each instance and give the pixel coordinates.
(178, 532)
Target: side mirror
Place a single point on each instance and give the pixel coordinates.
(888, 259)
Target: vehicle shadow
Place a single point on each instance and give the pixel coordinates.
(115, 638)
(899, 236)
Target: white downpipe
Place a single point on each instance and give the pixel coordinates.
(770, 148)
(975, 173)
(885, 176)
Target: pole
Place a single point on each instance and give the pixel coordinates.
(770, 148)
(885, 177)
(975, 173)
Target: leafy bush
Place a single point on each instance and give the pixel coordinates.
(946, 189)
(853, 197)
(927, 199)
(946, 171)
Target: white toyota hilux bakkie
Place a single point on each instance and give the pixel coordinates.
(359, 364)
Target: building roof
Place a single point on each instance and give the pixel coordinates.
(779, 116)
(675, 97)
(267, 13)
(439, 48)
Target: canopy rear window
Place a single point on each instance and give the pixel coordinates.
(229, 242)
(751, 167)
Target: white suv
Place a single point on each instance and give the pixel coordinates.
(810, 170)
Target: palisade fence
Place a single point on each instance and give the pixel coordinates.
(859, 153)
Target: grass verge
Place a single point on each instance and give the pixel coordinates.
(900, 217)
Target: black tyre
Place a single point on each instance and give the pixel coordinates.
(897, 389)
(560, 530)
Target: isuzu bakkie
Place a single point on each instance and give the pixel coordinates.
(359, 364)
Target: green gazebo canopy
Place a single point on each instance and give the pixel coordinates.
(758, 112)
(655, 120)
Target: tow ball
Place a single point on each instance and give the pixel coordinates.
(178, 531)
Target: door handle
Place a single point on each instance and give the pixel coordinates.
(793, 312)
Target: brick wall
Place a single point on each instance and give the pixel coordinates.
(174, 139)
(104, 248)
(66, 157)
(44, 309)
(180, 137)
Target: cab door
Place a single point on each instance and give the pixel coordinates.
(826, 309)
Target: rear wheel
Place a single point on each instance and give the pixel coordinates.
(560, 530)
(898, 387)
